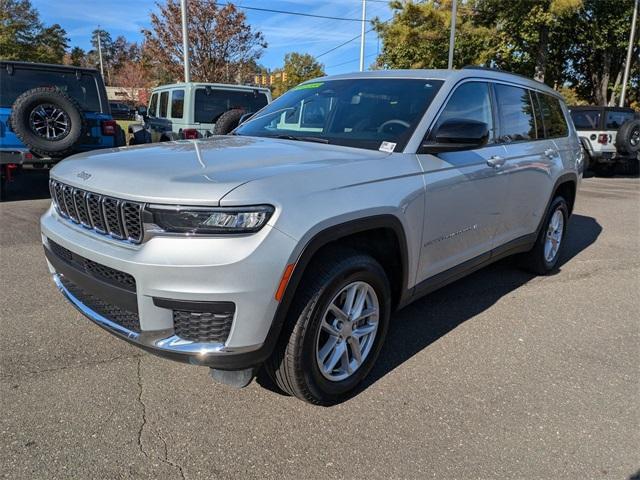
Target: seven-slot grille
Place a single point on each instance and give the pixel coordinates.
(121, 219)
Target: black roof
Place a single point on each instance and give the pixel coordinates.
(48, 66)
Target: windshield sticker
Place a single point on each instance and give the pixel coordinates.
(307, 86)
(387, 147)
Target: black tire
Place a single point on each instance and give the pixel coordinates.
(227, 121)
(121, 138)
(49, 97)
(535, 260)
(293, 365)
(628, 137)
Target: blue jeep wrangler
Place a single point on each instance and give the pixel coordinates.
(48, 112)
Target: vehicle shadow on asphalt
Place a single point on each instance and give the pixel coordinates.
(29, 185)
(425, 321)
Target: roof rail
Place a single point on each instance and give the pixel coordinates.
(492, 69)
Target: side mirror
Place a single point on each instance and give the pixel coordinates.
(457, 134)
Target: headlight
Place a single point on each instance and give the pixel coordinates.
(211, 220)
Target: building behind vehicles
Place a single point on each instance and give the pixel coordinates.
(289, 243)
(609, 135)
(48, 112)
(197, 110)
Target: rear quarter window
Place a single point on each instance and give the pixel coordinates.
(555, 124)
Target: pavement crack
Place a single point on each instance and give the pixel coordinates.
(70, 367)
(144, 410)
(166, 457)
(144, 421)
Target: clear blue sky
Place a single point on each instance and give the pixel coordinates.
(283, 33)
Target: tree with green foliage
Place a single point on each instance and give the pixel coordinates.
(298, 67)
(530, 36)
(600, 36)
(418, 36)
(77, 57)
(24, 37)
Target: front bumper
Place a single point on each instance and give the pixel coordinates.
(243, 270)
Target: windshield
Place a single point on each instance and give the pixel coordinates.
(372, 113)
(83, 89)
(586, 119)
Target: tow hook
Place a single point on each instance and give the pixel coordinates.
(233, 378)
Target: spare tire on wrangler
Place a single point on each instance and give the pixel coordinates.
(48, 121)
(227, 121)
(628, 137)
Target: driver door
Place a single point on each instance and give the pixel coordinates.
(465, 190)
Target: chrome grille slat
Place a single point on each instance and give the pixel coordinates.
(67, 197)
(120, 219)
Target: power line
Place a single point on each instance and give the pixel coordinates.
(351, 61)
(301, 14)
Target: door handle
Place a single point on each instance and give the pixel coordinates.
(495, 161)
(550, 153)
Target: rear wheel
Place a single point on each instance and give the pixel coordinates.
(544, 256)
(334, 330)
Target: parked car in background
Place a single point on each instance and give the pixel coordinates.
(48, 112)
(289, 243)
(197, 110)
(121, 111)
(610, 137)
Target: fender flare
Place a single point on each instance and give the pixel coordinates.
(321, 239)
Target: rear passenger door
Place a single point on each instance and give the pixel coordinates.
(530, 161)
(158, 121)
(464, 190)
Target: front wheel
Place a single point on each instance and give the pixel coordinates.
(544, 256)
(334, 330)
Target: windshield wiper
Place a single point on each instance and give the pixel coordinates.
(302, 139)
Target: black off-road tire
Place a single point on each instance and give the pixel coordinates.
(3, 187)
(20, 122)
(535, 260)
(293, 366)
(228, 121)
(121, 137)
(628, 137)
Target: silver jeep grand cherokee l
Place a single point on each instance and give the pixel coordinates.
(289, 243)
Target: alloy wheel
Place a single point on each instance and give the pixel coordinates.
(347, 331)
(553, 238)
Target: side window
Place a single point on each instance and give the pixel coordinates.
(470, 101)
(153, 105)
(164, 104)
(517, 122)
(177, 103)
(554, 122)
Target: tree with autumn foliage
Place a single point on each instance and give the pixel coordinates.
(221, 42)
(132, 76)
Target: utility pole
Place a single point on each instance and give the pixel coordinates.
(627, 67)
(362, 33)
(100, 52)
(452, 34)
(185, 42)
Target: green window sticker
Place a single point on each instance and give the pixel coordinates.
(307, 86)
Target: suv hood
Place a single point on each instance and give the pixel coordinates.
(197, 172)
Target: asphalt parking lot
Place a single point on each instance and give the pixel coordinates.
(500, 375)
